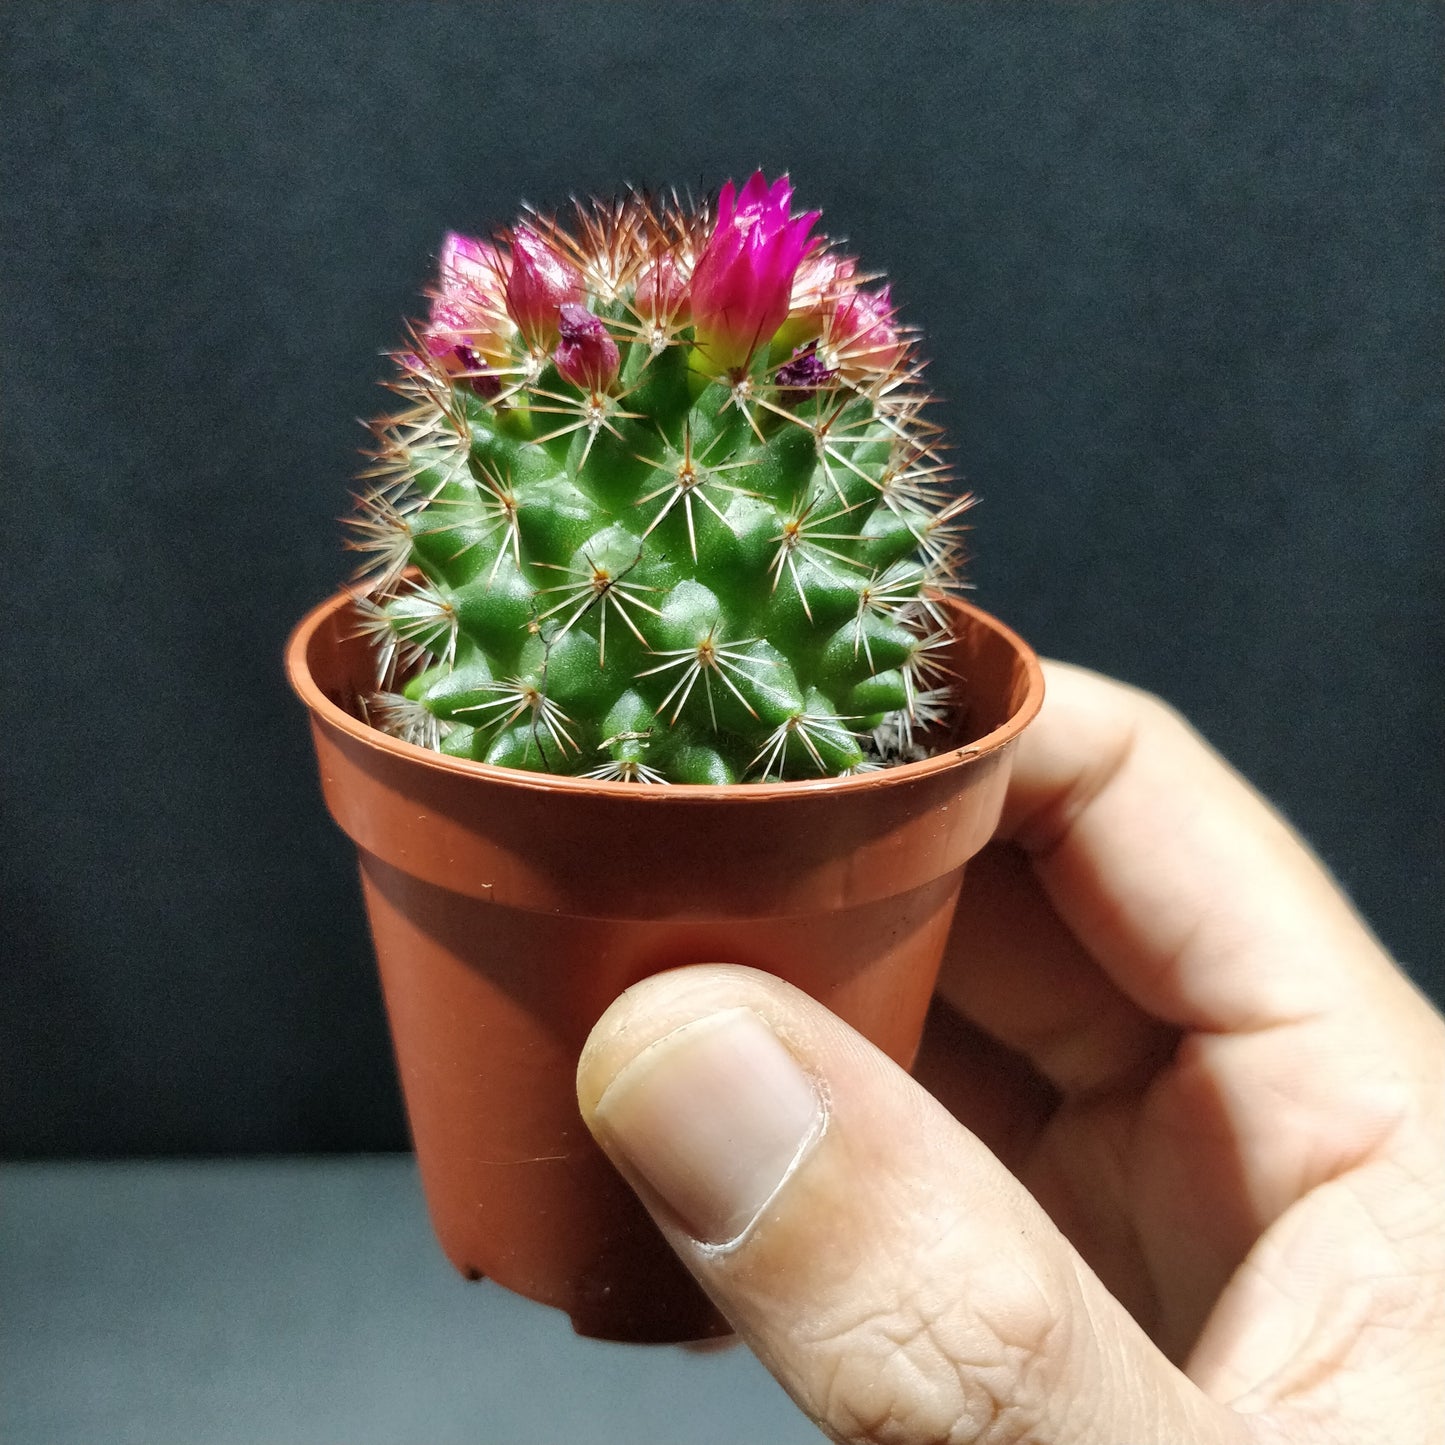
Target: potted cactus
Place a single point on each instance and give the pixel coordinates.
(655, 655)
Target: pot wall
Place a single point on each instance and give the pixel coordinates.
(489, 1008)
(509, 909)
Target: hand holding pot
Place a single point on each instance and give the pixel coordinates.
(1192, 1184)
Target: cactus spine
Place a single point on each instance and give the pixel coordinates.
(661, 505)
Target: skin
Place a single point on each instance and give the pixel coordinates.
(1178, 1171)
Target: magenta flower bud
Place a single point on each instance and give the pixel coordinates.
(861, 336)
(743, 282)
(469, 328)
(466, 264)
(661, 296)
(586, 354)
(804, 372)
(450, 327)
(539, 285)
(820, 278)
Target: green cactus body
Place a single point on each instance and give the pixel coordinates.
(661, 507)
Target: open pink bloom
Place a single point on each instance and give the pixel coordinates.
(743, 281)
(586, 354)
(860, 337)
(540, 283)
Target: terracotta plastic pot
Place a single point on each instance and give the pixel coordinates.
(508, 909)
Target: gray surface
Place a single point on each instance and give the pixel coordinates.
(304, 1300)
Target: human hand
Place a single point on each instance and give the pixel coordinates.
(1192, 1187)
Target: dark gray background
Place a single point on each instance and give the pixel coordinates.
(1179, 266)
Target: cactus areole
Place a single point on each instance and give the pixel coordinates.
(661, 506)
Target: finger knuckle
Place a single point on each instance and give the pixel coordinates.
(977, 1371)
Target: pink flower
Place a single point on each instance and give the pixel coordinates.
(586, 355)
(448, 328)
(539, 284)
(743, 281)
(661, 297)
(466, 264)
(469, 327)
(821, 277)
(860, 337)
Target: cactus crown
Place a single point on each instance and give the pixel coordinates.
(661, 506)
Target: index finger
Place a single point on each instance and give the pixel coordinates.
(1188, 889)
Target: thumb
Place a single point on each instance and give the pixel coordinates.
(898, 1281)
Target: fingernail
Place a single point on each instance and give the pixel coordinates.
(715, 1116)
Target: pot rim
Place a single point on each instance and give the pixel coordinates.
(298, 671)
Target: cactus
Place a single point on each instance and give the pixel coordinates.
(662, 505)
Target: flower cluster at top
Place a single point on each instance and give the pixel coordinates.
(702, 424)
(734, 283)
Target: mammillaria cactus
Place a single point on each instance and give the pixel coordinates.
(662, 505)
